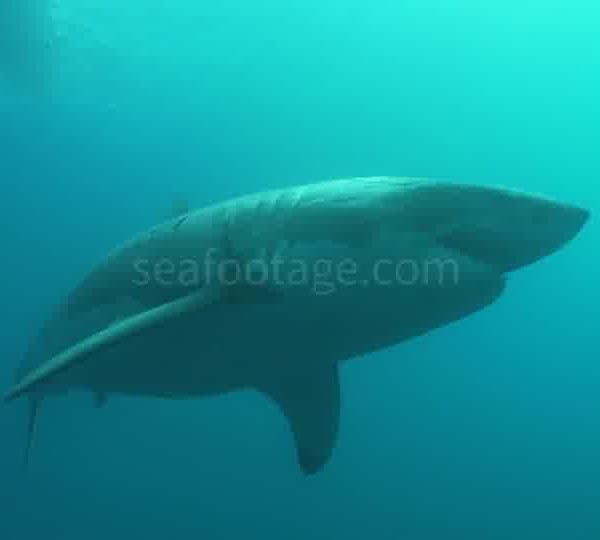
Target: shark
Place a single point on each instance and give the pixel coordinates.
(274, 291)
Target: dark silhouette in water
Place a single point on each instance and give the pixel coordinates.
(284, 336)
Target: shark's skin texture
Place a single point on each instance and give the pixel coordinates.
(283, 333)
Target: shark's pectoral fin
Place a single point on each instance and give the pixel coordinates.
(310, 399)
(126, 329)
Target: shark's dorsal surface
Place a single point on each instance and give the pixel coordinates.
(273, 291)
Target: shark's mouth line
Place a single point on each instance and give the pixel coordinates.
(479, 244)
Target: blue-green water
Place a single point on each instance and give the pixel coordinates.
(486, 429)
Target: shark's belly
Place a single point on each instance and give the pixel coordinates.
(329, 314)
(233, 347)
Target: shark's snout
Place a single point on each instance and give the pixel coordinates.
(552, 226)
(573, 219)
(501, 227)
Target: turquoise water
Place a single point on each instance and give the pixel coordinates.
(485, 429)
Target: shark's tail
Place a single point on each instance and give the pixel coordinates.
(25, 45)
(32, 418)
(34, 400)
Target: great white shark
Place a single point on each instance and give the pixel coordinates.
(273, 291)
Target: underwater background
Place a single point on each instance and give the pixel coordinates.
(486, 429)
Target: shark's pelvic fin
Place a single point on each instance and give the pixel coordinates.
(126, 329)
(309, 397)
